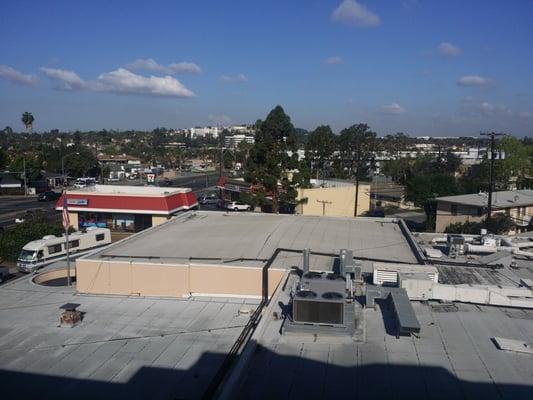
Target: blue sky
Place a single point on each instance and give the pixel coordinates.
(418, 66)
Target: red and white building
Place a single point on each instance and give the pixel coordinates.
(125, 208)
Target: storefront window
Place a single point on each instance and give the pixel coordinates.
(124, 222)
(87, 220)
(115, 221)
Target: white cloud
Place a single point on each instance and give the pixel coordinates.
(393, 109)
(449, 50)
(234, 79)
(67, 80)
(124, 81)
(219, 119)
(12, 75)
(333, 60)
(351, 12)
(474, 80)
(120, 81)
(185, 68)
(150, 64)
(475, 107)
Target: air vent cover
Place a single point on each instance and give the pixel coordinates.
(313, 275)
(306, 294)
(332, 296)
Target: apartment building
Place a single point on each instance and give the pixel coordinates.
(517, 204)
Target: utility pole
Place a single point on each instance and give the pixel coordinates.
(491, 166)
(324, 202)
(25, 180)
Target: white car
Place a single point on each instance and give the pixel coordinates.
(238, 206)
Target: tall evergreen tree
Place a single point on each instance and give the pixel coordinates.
(319, 150)
(356, 153)
(269, 161)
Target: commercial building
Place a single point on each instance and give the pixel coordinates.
(334, 198)
(224, 254)
(233, 141)
(224, 305)
(207, 131)
(125, 208)
(517, 204)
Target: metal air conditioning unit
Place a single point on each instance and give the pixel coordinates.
(320, 299)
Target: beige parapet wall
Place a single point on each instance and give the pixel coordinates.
(171, 280)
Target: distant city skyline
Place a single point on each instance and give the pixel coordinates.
(424, 68)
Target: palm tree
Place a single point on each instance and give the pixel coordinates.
(27, 120)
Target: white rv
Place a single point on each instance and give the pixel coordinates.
(40, 252)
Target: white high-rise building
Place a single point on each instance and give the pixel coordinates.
(212, 131)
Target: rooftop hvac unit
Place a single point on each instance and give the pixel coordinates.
(320, 299)
(456, 245)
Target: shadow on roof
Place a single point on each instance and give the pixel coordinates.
(269, 376)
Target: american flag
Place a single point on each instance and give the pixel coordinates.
(66, 219)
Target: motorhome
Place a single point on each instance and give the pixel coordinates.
(38, 253)
(85, 182)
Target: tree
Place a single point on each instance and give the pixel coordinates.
(33, 165)
(394, 144)
(269, 162)
(27, 120)
(84, 163)
(400, 170)
(498, 224)
(357, 145)
(16, 237)
(319, 149)
(3, 159)
(423, 189)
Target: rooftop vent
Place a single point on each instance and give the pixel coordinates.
(335, 277)
(332, 296)
(306, 294)
(313, 275)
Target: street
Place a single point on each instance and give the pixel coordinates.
(197, 182)
(12, 207)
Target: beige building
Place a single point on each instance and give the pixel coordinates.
(333, 199)
(517, 204)
(230, 254)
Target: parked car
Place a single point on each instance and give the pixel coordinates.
(238, 206)
(48, 196)
(4, 274)
(207, 199)
(165, 183)
(27, 215)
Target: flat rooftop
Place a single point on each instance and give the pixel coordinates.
(250, 239)
(502, 199)
(454, 357)
(471, 269)
(125, 347)
(128, 190)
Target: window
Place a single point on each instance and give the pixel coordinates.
(56, 248)
(74, 243)
(479, 211)
(454, 209)
(100, 237)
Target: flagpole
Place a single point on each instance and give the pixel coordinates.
(67, 244)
